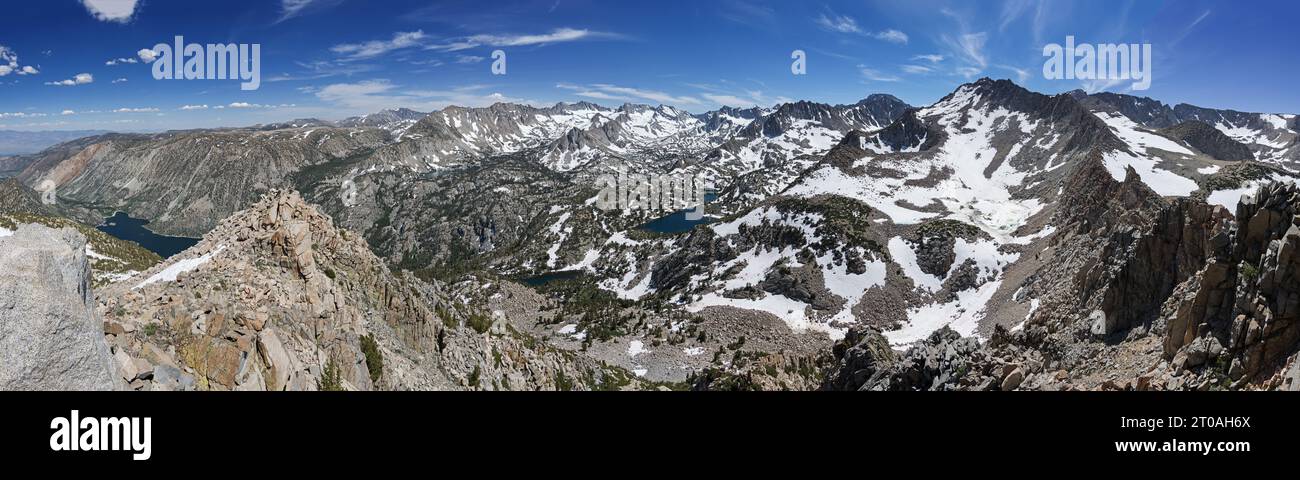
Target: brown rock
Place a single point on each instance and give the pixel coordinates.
(223, 362)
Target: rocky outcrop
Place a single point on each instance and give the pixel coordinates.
(1239, 317)
(1124, 249)
(1209, 140)
(278, 298)
(943, 361)
(50, 334)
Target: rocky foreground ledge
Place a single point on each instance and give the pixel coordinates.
(50, 335)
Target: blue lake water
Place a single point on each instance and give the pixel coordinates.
(677, 222)
(126, 228)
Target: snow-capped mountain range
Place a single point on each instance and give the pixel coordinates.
(947, 201)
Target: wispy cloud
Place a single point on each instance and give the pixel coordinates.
(917, 69)
(257, 105)
(1011, 11)
(876, 75)
(296, 8)
(374, 95)
(605, 91)
(375, 48)
(747, 13)
(969, 47)
(193, 107)
(839, 23)
(123, 60)
(1021, 74)
(965, 46)
(135, 110)
(1182, 34)
(932, 58)
(891, 36)
(829, 20)
(323, 69)
(559, 35)
(20, 115)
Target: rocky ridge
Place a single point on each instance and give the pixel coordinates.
(278, 298)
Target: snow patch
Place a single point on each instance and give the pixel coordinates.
(170, 273)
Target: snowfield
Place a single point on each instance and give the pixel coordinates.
(170, 273)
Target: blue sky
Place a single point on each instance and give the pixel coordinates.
(76, 64)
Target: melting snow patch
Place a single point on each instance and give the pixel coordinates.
(170, 273)
(635, 348)
(1164, 182)
(906, 258)
(1138, 139)
(962, 315)
(1230, 197)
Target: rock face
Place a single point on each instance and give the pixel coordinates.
(1239, 316)
(278, 298)
(50, 335)
(1210, 140)
(943, 361)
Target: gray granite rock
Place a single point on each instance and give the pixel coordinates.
(50, 336)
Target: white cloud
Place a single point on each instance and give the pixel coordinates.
(558, 35)
(9, 63)
(119, 11)
(839, 23)
(1021, 74)
(135, 110)
(254, 105)
(968, 72)
(20, 115)
(846, 24)
(876, 75)
(295, 8)
(917, 69)
(120, 80)
(147, 55)
(612, 91)
(969, 47)
(602, 96)
(117, 61)
(79, 79)
(68, 112)
(375, 48)
(729, 100)
(1012, 10)
(932, 58)
(891, 36)
(469, 59)
(194, 107)
(373, 95)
